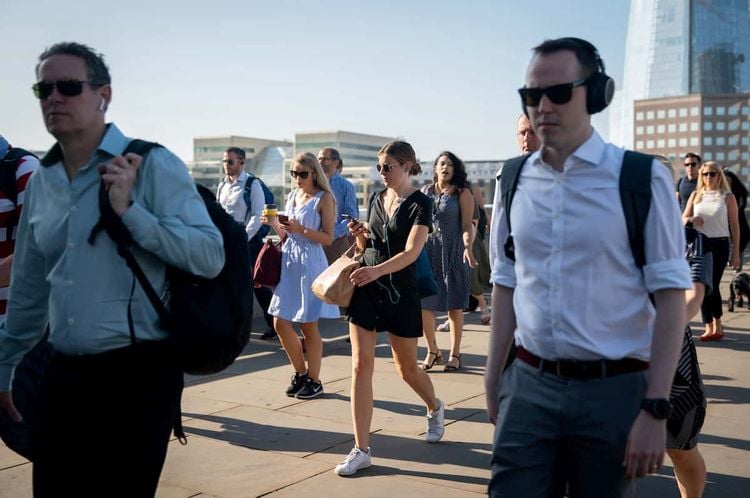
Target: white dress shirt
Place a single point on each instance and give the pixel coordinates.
(231, 197)
(578, 293)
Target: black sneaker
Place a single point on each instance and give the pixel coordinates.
(269, 334)
(310, 390)
(297, 383)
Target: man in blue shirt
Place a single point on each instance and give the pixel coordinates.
(346, 202)
(111, 399)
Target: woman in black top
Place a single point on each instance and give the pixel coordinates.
(386, 296)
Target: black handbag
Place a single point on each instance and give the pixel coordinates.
(29, 388)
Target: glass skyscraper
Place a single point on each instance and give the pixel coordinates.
(681, 47)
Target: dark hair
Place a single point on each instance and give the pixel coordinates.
(694, 156)
(459, 170)
(585, 52)
(236, 150)
(335, 155)
(96, 70)
(402, 152)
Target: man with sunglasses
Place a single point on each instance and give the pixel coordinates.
(687, 183)
(110, 399)
(231, 194)
(581, 408)
(346, 202)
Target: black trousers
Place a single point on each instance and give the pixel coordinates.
(711, 307)
(107, 422)
(262, 294)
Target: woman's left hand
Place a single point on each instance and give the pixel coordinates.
(469, 258)
(364, 275)
(293, 226)
(734, 262)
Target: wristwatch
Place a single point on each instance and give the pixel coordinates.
(659, 408)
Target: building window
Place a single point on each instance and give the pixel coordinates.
(693, 141)
(708, 126)
(650, 130)
(720, 156)
(695, 111)
(683, 127)
(733, 155)
(720, 141)
(734, 140)
(639, 116)
(734, 125)
(683, 142)
(639, 130)
(720, 125)
(746, 110)
(745, 140)
(708, 141)
(708, 111)
(694, 126)
(639, 144)
(746, 125)
(734, 110)
(660, 143)
(745, 156)
(683, 112)
(672, 113)
(649, 144)
(649, 114)
(671, 142)
(660, 128)
(671, 128)
(707, 156)
(660, 114)
(721, 110)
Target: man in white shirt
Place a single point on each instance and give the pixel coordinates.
(583, 406)
(231, 196)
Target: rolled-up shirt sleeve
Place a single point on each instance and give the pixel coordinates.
(170, 220)
(503, 269)
(666, 267)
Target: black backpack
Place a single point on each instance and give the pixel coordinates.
(635, 195)
(207, 319)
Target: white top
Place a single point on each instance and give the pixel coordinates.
(713, 209)
(230, 196)
(578, 294)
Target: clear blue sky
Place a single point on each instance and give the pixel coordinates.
(441, 74)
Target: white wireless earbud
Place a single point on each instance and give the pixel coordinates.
(102, 106)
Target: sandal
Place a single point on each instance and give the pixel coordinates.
(485, 317)
(452, 366)
(446, 325)
(438, 359)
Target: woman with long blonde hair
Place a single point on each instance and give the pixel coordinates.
(311, 210)
(712, 210)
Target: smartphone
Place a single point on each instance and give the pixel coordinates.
(283, 219)
(349, 217)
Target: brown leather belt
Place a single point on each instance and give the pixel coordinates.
(573, 369)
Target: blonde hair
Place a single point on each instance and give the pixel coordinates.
(320, 180)
(701, 187)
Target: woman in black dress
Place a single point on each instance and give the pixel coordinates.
(386, 296)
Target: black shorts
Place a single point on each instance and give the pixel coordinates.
(375, 308)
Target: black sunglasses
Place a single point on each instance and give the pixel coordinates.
(302, 175)
(67, 88)
(230, 162)
(386, 168)
(557, 94)
(710, 174)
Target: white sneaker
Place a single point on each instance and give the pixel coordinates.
(446, 325)
(435, 424)
(354, 461)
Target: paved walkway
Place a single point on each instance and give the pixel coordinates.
(246, 438)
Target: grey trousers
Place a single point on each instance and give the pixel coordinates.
(555, 435)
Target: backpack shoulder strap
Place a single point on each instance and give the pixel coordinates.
(679, 182)
(635, 195)
(247, 195)
(508, 177)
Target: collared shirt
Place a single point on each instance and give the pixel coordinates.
(577, 291)
(83, 289)
(346, 203)
(231, 196)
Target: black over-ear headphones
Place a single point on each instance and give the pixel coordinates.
(600, 88)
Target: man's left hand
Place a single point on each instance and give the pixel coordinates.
(644, 451)
(119, 176)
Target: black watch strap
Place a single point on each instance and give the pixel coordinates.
(659, 408)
